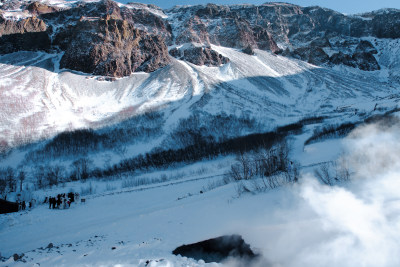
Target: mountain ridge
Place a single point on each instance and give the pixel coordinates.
(277, 27)
(318, 73)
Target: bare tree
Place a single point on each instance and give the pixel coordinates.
(3, 188)
(342, 169)
(54, 174)
(267, 168)
(10, 177)
(324, 175)
(81, 168)
(242, 170)
(21, 178)
(40, 173)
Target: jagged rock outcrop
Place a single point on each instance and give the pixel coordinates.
(366, 47)
(27, 34)
(248, 50)
(111, 47)
(37, 8)
(385, 23)
(364, 61)
(199, 55)
(99, 38)
(311, 54)
(219, 25)
(31, 24)
(107, 38)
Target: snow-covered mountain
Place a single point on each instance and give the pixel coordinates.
(69, 65)
(141, 111)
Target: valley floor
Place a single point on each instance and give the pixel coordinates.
(302, 224)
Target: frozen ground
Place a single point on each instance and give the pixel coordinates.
(305, 224)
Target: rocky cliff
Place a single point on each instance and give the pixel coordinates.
(106, 38)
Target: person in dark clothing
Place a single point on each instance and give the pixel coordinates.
(54, 202)
(71, 196)
(50, 202)
(23, 205)
(45, 200)
(59, 202)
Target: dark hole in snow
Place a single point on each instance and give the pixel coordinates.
(218, 249)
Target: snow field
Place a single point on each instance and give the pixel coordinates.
(296, 225)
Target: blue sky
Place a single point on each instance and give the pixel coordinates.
(344, 6)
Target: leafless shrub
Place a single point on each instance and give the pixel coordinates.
(323, 173)
(266, 169)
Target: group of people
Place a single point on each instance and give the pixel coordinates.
(62, 201)
(22, 204)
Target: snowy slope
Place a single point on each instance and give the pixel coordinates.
(38, 100)
(297, 225)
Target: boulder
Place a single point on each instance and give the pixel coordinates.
(199, 55)
(366, 47)
(366, 61)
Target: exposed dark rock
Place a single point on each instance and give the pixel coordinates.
(17, 257)
(218, 249)
(27, 34)
(311, 54)
(195, 31)
(22, 26)
(363, 61)
(342, 59)
(111, 47)
(317, 56)
(386, 24)
(366, 47)
(321, 42)
(106, 39)
(199, 55)
(149, 21)
(248, 50)
(38, 8)
(228, 29)
(213, 11)
(366, 61)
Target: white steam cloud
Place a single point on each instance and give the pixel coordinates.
(356, 223)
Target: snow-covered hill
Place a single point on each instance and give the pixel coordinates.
(38, 100)
(146, 80)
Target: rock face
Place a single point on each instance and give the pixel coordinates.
(111, 47)
(220, 25)
(37, 8)
(303, 33)
(108, 43)
(27, 34)
(363, 61)
(106, 38)
(199, 55)
(99, 38)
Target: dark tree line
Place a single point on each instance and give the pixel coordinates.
(331, 131)
(215, 128)
(204, 148)
(86, 141)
